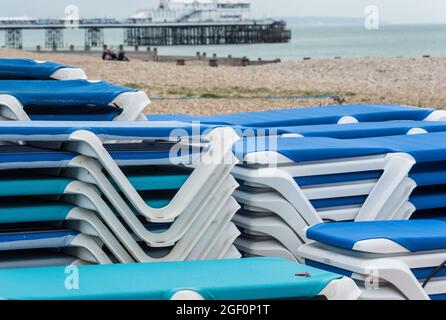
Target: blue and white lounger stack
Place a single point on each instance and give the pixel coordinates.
(84, 183)
(358, 166)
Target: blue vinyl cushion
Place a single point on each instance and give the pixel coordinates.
(45, 95)
(243, 279)
(28, 69)
(362, 129)
(428, 147)
(36, 239)
(22, 157)
(108, 130)
(419, 273)
(306, 116)
(414, 235)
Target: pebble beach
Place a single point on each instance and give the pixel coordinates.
(199, 89)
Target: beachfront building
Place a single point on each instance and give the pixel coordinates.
(174, 22)
(196, 11)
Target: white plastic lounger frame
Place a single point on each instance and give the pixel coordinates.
(395, 167)
(224, 243)
(219, 155)
(274, 203)
(88, 170)
(69, 74)
(342, 289)
(388, 292)
(215, 231)
(88, 248)
(87, 222)
(264, 248)
(232, 253)
(86, 196)
(270, 226)
(217, 158)
(393, 265)
(131, 103)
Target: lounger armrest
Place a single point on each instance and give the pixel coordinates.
(11, 108)
(132, 104)
(341, 289)
(69, 74)
(187, 295)
(437, 115)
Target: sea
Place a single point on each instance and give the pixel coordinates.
(313, 41)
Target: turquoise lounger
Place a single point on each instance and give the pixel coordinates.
(245, 279)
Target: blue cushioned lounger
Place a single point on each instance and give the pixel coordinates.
(51, 238)
(328, 179)
(194, 208)
(237, 279)
(307, 116)
(403, 254)
(356, 130)
(19, 203)
(36, 239)
(25, 69)
(70, 100)
(424, 148)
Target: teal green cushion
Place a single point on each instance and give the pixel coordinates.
(244, 279)
(37, 185)
(33, 211)
(155, 182)
(157, 203)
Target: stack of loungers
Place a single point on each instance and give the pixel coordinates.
(359, 169)
(85, 183)
(348, 163)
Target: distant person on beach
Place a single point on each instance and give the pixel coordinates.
(112, 56)
(122, 56)
(109, 55)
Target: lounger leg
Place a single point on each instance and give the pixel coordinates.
(89, 244)
(341, 289)
(79, 214)
(396, 170)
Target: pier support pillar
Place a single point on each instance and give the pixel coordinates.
(13, 38)
(94, 37)
(54, 38)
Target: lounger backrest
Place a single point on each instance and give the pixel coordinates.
(60, 131)
(428, 147)
(63, 94)
(22, 69)
(308, 116)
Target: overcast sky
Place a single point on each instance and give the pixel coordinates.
(392, 11)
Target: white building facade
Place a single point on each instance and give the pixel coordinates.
(196, 11)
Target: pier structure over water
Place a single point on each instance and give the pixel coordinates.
(149, 33)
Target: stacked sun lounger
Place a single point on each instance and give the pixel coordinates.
(342, 163)
(159, 207)
(147, 203)
(21, 69)
(84, 184)
(390, 260)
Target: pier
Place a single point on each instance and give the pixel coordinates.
(150, 34)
